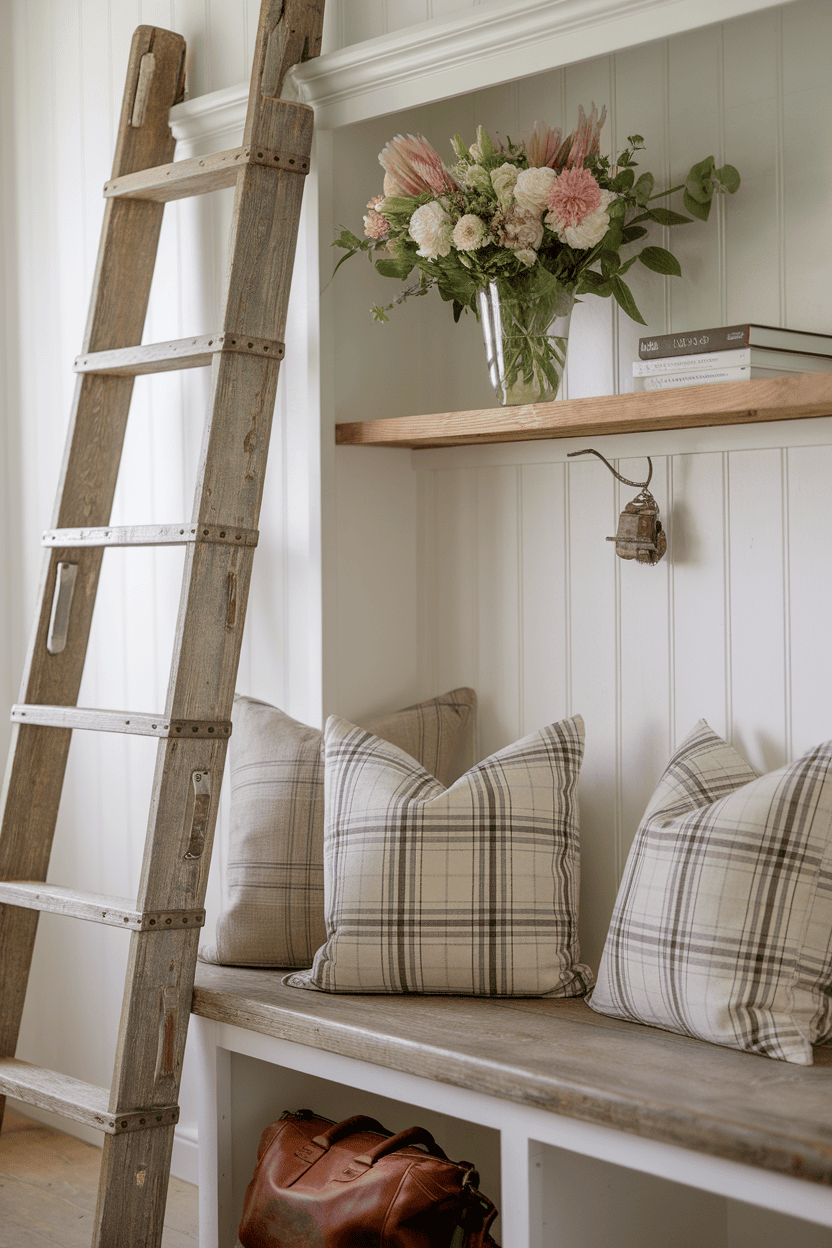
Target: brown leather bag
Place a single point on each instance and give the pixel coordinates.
(351, 1184)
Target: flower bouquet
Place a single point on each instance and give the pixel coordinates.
(517, 233)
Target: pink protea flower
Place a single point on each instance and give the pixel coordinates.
(585, 141)
(542, 144)
(412, 167)
(375, 225)
(573, 195)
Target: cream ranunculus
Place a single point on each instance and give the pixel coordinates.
(470, 232)
(430, 227)
(589, 232)
(503, 180)
(521, 230)
(532, 189)
(527, 256)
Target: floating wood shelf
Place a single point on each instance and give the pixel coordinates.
(731, 403)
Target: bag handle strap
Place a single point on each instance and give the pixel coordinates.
(413, 1135)
(359, 1122)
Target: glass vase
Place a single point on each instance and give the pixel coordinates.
(525, 327)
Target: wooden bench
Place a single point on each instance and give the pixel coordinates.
(548, 1075)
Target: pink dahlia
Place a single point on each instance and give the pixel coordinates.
(573, 195)
(412, 167)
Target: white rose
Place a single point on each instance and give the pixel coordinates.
(532, 189)
(430, 227)
(503, 180)
(590, 231)
(470, 232)
(521, 230)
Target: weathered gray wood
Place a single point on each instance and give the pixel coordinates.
(201, 174)
(158, 990)
(72, 1098)
(150, 535)
(165, 357)
(730, 403)
(95, 907)
(34, 775)
(562, 1057)
(134, 723)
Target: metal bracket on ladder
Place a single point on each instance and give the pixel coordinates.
(138, 1114)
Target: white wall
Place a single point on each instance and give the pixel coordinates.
(483, 565)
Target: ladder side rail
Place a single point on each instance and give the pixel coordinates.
(159, 984)
(37, 757)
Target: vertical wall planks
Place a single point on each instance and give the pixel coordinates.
(499, 539)
(698, 563)
(544, 624)
(593, 614)
(808, 473)
(644, 665)
(759, 661)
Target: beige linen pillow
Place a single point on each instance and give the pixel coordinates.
(275, 884)
(471, 889)
(722, 928)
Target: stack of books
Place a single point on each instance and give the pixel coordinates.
(729, 353)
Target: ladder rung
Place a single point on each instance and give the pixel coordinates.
(150, 535)
(96, 907)
(164, 357)
(137, 724)
(72, 1098)
(200, 174)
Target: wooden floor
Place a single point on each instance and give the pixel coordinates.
(48, 1184)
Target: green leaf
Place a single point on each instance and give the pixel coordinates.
(729, 178)
(459, 308)
(643, 188)
(609, 263)
(624, 180)
(666, 216)
(624, 298)
(699, 182)
(632, 232)
(394, 268)
(379, 313)
(695, 208)
(660, 261)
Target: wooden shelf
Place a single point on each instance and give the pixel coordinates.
(733, 403)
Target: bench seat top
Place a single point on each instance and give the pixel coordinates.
(558, 1056)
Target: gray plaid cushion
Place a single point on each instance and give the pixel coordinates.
(723, 924)
(275, 866)
(471, 889)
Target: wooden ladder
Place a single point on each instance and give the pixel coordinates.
(139, 1113)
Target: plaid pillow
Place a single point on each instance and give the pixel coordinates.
(275, 857)
(723, 924)
(471, 889)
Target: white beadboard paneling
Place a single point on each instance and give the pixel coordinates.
(698, 563)
(593, 631)
(808, 473)
(544, 619)
(756, 521)
(498, 605)
(643, 664)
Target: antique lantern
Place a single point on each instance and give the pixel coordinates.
(640, 535)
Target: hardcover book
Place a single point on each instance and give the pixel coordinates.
(733, 337)
(744, 357)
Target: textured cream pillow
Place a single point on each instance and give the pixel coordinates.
(723, 924)
(275, 857)
(471, 889)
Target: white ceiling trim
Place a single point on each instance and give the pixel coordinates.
(480, 47)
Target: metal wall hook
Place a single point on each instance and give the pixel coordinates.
(642, 484)
(640, 535)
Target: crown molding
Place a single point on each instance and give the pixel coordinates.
(483, 46)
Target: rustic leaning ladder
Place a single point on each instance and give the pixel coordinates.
(139, 1113)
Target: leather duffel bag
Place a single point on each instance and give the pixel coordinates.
(352, 1184)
